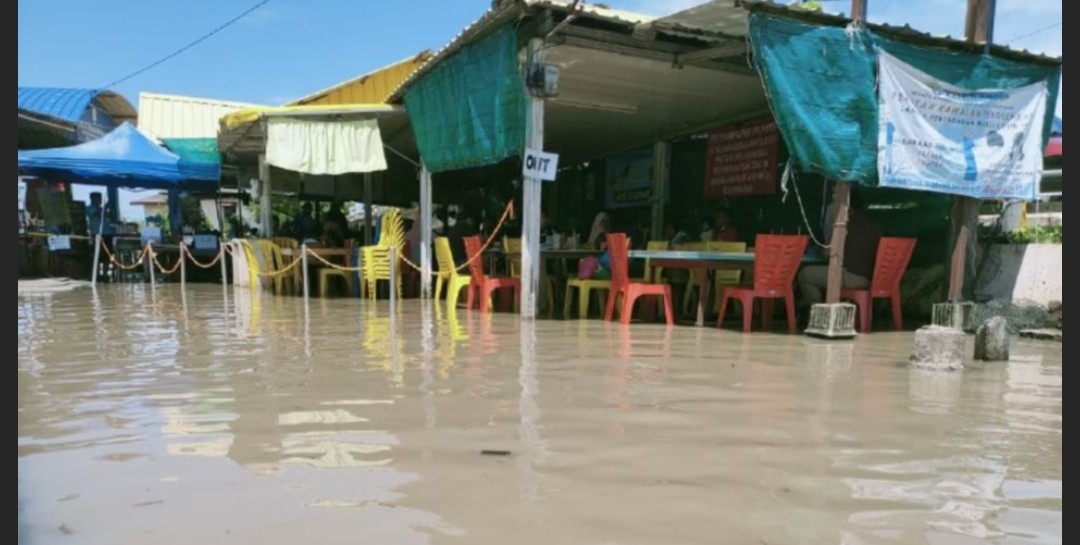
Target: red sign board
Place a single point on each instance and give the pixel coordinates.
(742, 160)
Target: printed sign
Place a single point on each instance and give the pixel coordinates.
(629, 179)
(540, 165)
(59, 243)
(933, 136)
(742, 160)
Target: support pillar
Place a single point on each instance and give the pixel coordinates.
(531, 201)
(660, 181)
(266, 212)
(369, 220)
(425, 233)
(834, 319)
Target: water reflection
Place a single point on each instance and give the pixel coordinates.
(249, 418)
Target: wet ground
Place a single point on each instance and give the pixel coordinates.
(226, 418)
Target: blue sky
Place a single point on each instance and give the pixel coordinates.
(290, 48)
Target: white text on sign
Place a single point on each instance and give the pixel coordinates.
(541, 165)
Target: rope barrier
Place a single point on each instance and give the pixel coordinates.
(124, 267)
(47, 235)
(197, 263)
(507, 214)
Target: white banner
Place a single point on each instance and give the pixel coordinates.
(936, 137)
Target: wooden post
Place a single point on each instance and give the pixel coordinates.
(978, 29)
(266, 212)
(661, 178)
(369, 220)
(425, 232)
(841, 199)
(532, 195)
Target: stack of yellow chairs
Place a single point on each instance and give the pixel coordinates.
(376, 259)
(448, 274)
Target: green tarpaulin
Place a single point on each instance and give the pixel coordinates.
(195, 151)
(821, 82)
(469, 111)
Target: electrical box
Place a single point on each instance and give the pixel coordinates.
(543, 81)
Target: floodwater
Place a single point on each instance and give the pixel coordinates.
(224, 417)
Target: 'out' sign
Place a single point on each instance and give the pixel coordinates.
(539, 164)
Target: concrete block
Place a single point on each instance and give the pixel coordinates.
(939, 348)
(992, 340)
(954, 315)
(835, 321)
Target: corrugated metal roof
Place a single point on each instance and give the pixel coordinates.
(371, 88)
(170, 116)
(71, 104)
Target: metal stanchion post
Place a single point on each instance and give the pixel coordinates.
(224, 270)
(393, 281)
(153, 273)
(97, 259)
(304, 264)
(183, 265)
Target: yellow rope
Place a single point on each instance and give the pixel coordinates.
(335, 266)
(175, 267)
(112, 258)
(46, 235)
(220, 254)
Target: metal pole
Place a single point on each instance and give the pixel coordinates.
(183, 265)
(425, 233)
(393, 281)
(304, 264)
(153, 273)
(224, 268)
(97, 259)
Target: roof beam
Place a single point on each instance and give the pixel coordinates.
(674, 54)
(712, 53)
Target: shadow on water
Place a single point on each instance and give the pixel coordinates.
(238, 417)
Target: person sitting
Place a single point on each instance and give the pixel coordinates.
(304, 225)
(723, 229)
(674, 235)
(860, 254)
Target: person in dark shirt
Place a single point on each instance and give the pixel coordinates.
(305, 226)
(860, 255)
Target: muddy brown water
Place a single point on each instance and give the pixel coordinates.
(204, 416)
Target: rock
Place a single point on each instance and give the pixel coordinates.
(939, 349)
(1042, 334)
(992, 340)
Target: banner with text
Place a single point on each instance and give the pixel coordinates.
(742, 160)
(629, 179)
(933, 136)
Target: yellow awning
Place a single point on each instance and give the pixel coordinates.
(250, 115)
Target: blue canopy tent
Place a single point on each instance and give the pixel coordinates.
(123, 158)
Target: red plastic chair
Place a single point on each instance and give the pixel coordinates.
(776, 262)
(619, 249)
(483, 285)
(893, 256)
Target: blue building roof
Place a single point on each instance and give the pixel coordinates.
(71, 104)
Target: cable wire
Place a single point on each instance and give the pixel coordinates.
(190, 45)
(1034, 33)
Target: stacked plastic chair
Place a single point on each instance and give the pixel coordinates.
(448, 274)
(376, 259)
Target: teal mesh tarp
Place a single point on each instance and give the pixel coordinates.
(469, 111)
(196, 153)
(821, 83)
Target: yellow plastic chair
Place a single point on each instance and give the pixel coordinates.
(650, 276)
(691, 278)
(513, 246)
(448, 274)
(285, 242)
(722, 278)
(328, 273)
(376, 259)
(726, 279)
(273, 262)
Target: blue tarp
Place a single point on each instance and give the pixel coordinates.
(123, 158)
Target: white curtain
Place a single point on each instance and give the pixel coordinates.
(324, 147)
